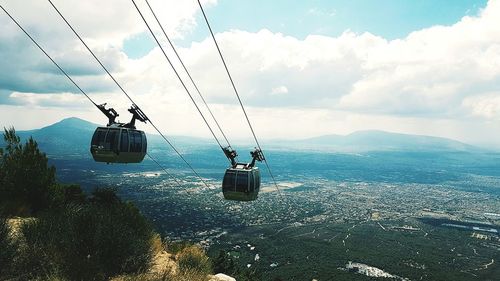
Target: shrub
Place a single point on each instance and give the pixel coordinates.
(88, 242)
(157, 245)
(224, 264)
(7, 249)
(189, 275)
(193, 259)
(105, 195)
(65, 194)
(176, 247)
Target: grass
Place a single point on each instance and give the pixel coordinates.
(193, 259)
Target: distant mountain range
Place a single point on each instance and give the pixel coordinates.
(361, 141)
(72, 135)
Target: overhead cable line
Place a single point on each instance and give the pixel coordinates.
(189, 75)
(48, 56)
(238, 96)
(177, 74)
(124, 92)
(73, 81)
(165, 170)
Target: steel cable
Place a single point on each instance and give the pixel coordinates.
(123, 91)
(74, 83)
(177, 74)
(189, 75)
(238, 96)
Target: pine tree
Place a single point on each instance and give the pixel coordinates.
(25, 176)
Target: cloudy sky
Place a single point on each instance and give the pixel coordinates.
(303, 68)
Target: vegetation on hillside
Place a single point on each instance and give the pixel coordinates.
(67, 235)
(90, 241)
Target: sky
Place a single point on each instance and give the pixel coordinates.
(302, 68)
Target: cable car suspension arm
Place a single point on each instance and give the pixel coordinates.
(257, 155)
(110, 113)
(137, 114)
(231, 155)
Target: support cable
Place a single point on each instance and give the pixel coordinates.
(189, 75)
(165, 170)
(238, 96)
(74, 83)
(48, 56)
(177, 74)
(124, 92)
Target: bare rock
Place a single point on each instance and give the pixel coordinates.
(221, 277)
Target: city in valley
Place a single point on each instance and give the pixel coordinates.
(420, 223)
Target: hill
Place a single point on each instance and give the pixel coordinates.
(68, 135)
(72, 135)
(362, 141)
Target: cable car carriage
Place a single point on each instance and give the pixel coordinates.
(242, 180)
(119, 142)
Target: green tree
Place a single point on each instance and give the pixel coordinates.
(25, 176)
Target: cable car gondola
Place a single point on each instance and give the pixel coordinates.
(119, 142)
(242, 180)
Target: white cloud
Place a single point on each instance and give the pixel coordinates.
(442, 75)
(66, 100)
(432, 70)
(281, 90)
(487, 106)
(103, 24)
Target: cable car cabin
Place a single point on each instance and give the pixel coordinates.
(241, 183)
(118, 145)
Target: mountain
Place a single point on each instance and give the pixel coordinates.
(72, 135)
(68, 135)
(361, 141)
